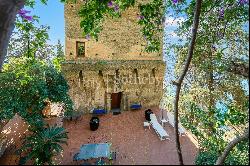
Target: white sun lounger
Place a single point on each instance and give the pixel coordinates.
(158, 128)
(181, 129)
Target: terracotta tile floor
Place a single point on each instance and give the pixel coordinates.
(133, 143)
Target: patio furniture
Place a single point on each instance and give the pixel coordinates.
(163, 121)
(181, 129)
(90, 151)
(74, 115)
(112, 156)
(100, 162)
(75, 157)
(85, 163)
(116, 111)
(135, 106)
(146, 124)
(94, 123)
(158, 128)
(164, 116)
(99, 111)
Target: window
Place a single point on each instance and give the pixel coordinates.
(80, 49)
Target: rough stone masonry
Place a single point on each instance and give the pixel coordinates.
(115, 71)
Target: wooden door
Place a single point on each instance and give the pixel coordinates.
(116, 100)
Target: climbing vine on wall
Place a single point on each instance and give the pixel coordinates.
(151, 23)
(94, 12)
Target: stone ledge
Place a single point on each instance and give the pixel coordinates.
(111, 64)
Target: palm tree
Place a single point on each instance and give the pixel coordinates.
(42, 145)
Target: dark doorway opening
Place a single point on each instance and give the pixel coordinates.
(116, 100)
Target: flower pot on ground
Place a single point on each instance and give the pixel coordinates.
(94, 123)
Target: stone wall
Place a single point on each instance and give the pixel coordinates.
(139, 82)
(120, 38)
(116, 63)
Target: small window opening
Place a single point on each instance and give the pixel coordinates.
(80, 48)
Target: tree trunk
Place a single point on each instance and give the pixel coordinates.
(185, 69)
(8, 12)
(230, 146)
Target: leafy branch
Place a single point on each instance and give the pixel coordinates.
(180, 80)
(231, 145)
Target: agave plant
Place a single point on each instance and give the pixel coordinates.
(42, 145)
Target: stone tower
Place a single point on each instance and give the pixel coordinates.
(115, 71)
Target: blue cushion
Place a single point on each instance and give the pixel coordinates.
(99, 111)
(135, 106)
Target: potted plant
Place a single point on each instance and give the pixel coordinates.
(94, 123)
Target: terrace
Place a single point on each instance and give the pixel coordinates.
(133, 143)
